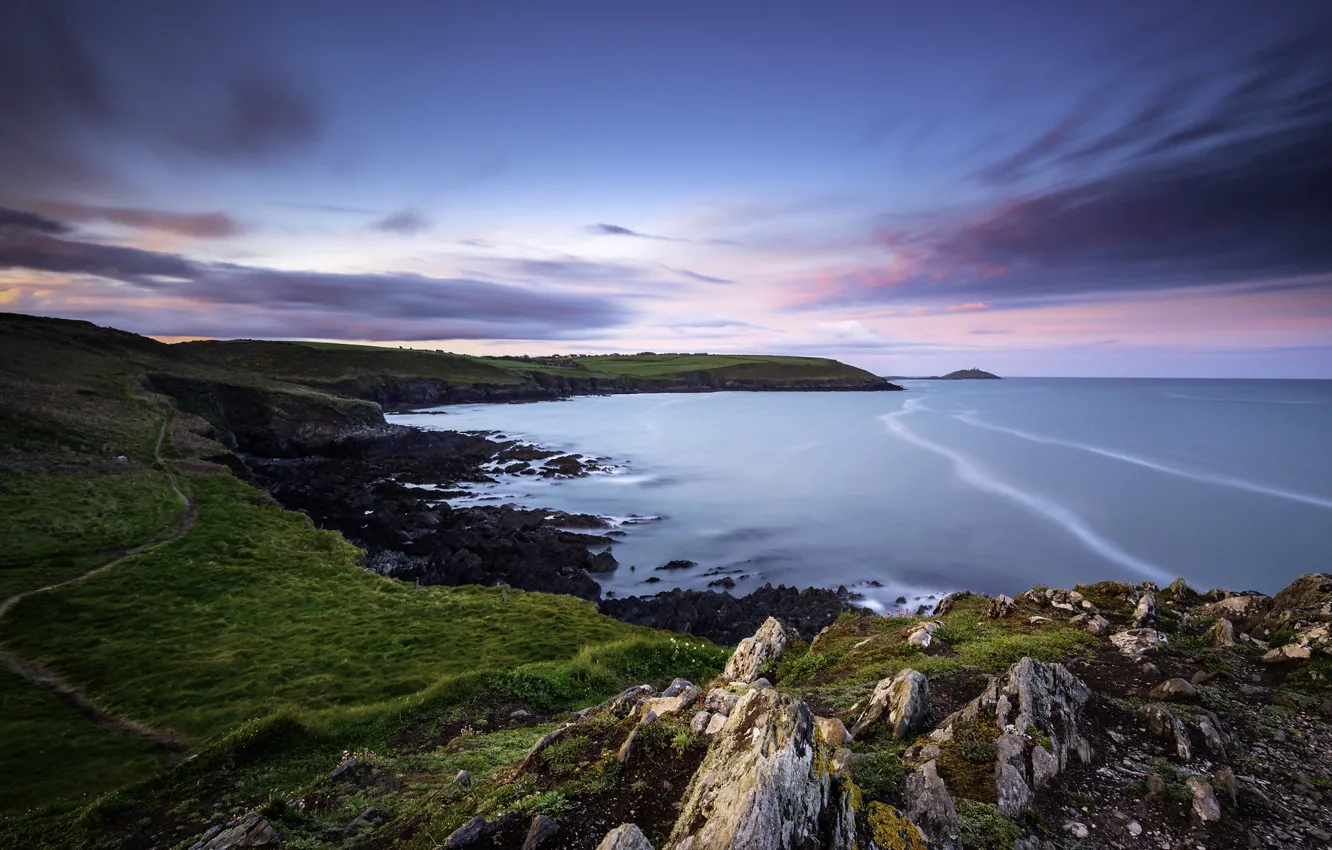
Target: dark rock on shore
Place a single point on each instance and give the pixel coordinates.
(727, 619)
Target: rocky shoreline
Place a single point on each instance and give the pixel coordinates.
(385, 489)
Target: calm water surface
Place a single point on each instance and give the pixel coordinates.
(993, 486)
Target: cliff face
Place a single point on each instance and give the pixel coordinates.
(270, 421)
(392, 391)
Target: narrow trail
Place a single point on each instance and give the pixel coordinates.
(71, 695)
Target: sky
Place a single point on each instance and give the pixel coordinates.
(1034, 188)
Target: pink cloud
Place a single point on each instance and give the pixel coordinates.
(969, 307)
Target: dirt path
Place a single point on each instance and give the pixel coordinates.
(71, 695)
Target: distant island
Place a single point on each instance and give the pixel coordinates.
(959, 375)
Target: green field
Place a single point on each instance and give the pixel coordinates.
(57, 526)
(352, 366)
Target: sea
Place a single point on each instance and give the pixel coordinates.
(989, 486)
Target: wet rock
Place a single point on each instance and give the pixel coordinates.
(1163, 723)
(252, 830)
(626, 836)
(1000, 606)
(1206, 809)
(603, 562)
(903, 699)
(1173, 690)
(753, 652)
(930, 807)
(1136, 643)
(726, 619)
(1222, 633)
(760, 784)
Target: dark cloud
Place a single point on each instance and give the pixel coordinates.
(19, 220)
(255, 116)
(1186, 193)
(617, 230)
(78, 86)
(210, 225)
(406, 222)
(266, 301)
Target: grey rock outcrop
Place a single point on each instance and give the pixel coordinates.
(764, 783)
(753, 652)
(903, 699)
(930, 807)
(1046, 698)
(252, 830)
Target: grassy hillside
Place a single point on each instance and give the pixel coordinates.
(251, 613)
(393, 375)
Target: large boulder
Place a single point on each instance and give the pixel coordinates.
(753, 652)
(765, 783)
(1037, 708)
(903, 699)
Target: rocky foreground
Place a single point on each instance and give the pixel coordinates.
(1106, 716)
